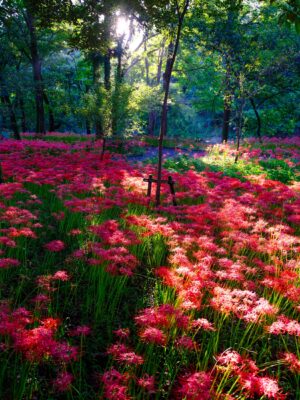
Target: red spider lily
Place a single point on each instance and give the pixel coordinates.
(111, 234)
(115, 385)
(243, 303)
(164, 316)
(8, 262)
(82, 330)
(120, 261)
(41, 298)
(6, 241)
(13, 321)
(261, 386)
(292, 361)
(236, 363)
(63, 381)
(194, 386)
(154, 336)
(75, 232)
(123, 354)
(55, 245)
(186, 342)
(26, 232)
(61, 276)
(147, 382)
(202, 323)
(59, 216)
(122, 333)
(284, 325)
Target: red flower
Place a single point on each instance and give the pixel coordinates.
(63, 381)
(147, 382)
(61, 276)
(55, 245)
(9, 262)
(194, 386)
(153, 335)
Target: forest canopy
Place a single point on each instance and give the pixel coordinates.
(100, 67)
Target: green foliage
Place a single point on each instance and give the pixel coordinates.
(143, 100)
(224, 162)
(279, 170)
(120, 108)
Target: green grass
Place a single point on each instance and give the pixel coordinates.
(273, 169)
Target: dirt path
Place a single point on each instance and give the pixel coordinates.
(151, 152)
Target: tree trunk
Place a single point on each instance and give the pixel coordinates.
(159, 65)
(3, 114)
(164, 111)
(107, 71)
(146, 64)
(87, 122)
(119, 53)
(97, 59)
(227, 101)
(116, 103)
(23, 115)
(13, 119)
(258, 120)
(226, 120)
(239, 128)
(151, 122)
(37, 75)
(52, 125)
(88, 127)
(152, 115)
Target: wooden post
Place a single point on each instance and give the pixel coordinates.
(150, 180)
(149, 186)
(169, 181)
(172, 190)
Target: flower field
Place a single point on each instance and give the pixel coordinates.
(103, 296)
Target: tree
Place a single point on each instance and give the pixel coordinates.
(7, 57)
(22, 21)
(180, 12)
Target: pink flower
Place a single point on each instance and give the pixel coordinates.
(153, 335)
(61, 276)
(243, 303)
(261, 386)
(80, 331)
(115, 385)
(230, 358)
(6, 241)
(122, 333)
(194, 386)
(123, 354)
(63, 381)
(64, 352)
(284, 325)
(75, 232)
(202, 323)
(59, 216)
(292, 361)
(186, 342)
(55, 245)
(9, 262)
(41, 298)
(147, 382)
